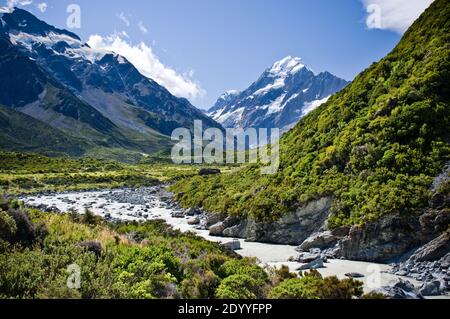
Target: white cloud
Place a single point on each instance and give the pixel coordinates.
(143, 58)
(123, 17)
(42, 7)
(142, 27)
(15, 3)
(395, 15)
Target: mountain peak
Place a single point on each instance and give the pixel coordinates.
(283, 94)
(21, 20)
(287, 65)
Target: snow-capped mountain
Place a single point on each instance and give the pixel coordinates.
(284, 93)
(54, 77)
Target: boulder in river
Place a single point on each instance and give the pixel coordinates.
(291, 229)
(431, 288)
(217, 229)
(194, 221)
(400, 289)
(445, 262)
(307, 257)
(322, 240)
(315, 264)
(178, 215)
(354, 275)
(212, 219)
(233, 245)
(192, 211)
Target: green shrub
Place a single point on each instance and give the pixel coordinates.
(281, 274)
(238, 287)
(313, 286)
(245, 266)
(200, 286)
(8, 229)
(89, 218)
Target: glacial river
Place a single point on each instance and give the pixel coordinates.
(149, 204)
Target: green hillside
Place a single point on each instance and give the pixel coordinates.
(23, 133)
(375, 146)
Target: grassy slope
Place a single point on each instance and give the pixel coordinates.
(375, 146)
(21, 132)
(30, 173)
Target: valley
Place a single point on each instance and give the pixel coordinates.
(358, 206)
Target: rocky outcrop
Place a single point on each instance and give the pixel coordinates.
(434, 222)
(429, 264)
(434, 250)
(392, 237)
(382, 240)
(292, 228)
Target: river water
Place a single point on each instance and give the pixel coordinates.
(151, 203)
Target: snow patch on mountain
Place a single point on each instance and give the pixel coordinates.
(5, 10)
(276, 106)
(231, 117)
(311, 106)
(75, 49)
(278, 84)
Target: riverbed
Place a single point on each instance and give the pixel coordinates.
(153, 203)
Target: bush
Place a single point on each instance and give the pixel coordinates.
(25, 234)
(313, 286)
(8, 229)
(282, 274)
(373, 295)
(238, 287)
(89, 218)
(200, 286)
(245, 266)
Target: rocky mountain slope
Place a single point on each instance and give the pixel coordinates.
(364, 174)
(283, 94)
(93, 95)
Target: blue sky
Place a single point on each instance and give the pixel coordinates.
(201, 48)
